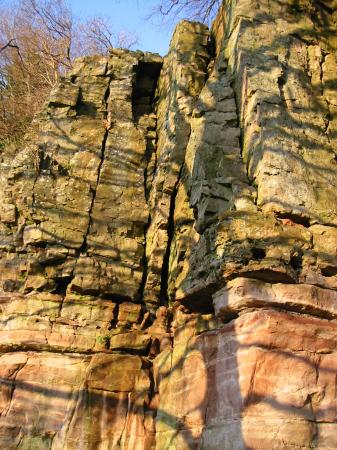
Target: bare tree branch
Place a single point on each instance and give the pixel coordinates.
(39, 40)
(98, 36)
(9, 44)
(203, 10)
(12, 44)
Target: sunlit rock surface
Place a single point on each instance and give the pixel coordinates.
(168, 268)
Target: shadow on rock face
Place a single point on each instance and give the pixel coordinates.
(196, 240)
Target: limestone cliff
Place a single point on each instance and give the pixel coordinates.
(168, 267)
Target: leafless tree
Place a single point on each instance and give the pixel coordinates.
(96, 36)
(39, 40)
(202, 10)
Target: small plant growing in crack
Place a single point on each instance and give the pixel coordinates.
(22, 276)
(104, 340)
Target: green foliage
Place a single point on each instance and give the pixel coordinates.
(104, 340)
(22, 276)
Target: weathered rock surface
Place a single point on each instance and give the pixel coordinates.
(73, 401)
(186, 64)
(241, 294)
(168, 244)
(264, 380)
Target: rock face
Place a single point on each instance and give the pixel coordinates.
(168, 244)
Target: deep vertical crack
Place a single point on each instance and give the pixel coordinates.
(164, 300)
(108, 124)
(151, 71)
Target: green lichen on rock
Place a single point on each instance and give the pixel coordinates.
(168, 244)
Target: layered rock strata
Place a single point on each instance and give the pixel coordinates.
(181, 80)
(168, 244)
(74, 216)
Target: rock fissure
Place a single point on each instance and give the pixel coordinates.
(168, 279)
(164, 298)
(108, 124)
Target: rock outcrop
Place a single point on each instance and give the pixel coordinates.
(168, 244)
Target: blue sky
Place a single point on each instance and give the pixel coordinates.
(129, 15)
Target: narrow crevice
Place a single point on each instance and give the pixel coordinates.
(149, 154)
(328, 117)
(240, 120)
(143, 106)
(327, 121)
(321, 74)
(170, 225)
(84, 245)
(144, 263)
(164, 299)
(281, 81)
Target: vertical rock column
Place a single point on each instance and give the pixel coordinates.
(213, 182)
(114, 247)
(181, 80)
(288, 150)
(75, 351)
(259, 370)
